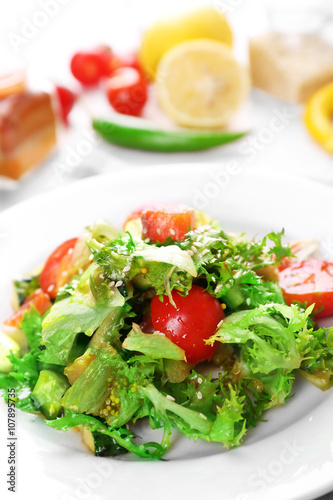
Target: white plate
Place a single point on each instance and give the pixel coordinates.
(290, 457)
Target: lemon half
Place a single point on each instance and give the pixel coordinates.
(206, 22)
(200, 84)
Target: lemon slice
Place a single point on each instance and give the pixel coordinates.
(200, 84)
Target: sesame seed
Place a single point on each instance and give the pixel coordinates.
(80, 271)
(194, 250)
(111, 284)
(205, 252)
(197, 244)
(126, 269)
(144, 230)
(101, 276)
(158, 230)
(199, 380)
(170, 397)
(77, 329)
(64, 273)
(190, 253)
(118, 284)
(156, 332)
(172, 231)
(70, 251)
(91, 256)
(50, 288)
(199, 395)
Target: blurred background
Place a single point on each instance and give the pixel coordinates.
(40, 37)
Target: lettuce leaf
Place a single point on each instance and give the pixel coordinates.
(271, 337)
(164, 268)
(152, 345)
(79, 313)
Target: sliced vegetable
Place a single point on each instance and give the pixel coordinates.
(158, 225)
(55, 272)
(38, 299)
(166, 141)
(48, 392)
(127, 91)
(309, 282)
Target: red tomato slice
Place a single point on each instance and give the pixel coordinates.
(158, 225)
(127, 91)
(194, 320)
(39, 299)
(55, 272)
(310, 281)
(151, 206)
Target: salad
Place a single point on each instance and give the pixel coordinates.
(172, 321)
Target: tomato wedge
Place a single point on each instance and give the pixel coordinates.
(190, 323)
(309, 281)
(55, 272)
(158, 225)
(38, 299)
(136, 214)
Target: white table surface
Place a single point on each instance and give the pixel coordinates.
(83, 24)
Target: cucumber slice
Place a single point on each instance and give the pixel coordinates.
(48, 391)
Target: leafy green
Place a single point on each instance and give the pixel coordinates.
(152, 345)
(227, 261)
(164, 268)
(108, 388)
(25, 370)
(123, 436)
(317, 367)
(109, 330)
(272, 336)
(70, 316)
(32, 327)
(228, 427)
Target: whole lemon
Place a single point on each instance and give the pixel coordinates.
(206, 22)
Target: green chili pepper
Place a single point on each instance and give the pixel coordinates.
(166, 141)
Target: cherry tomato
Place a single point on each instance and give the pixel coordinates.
(194, 320)
(309, 281)
(88, 67)
(38, 299)
(66, 100)
(158, 225)
(55, 272)
(127, 91)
